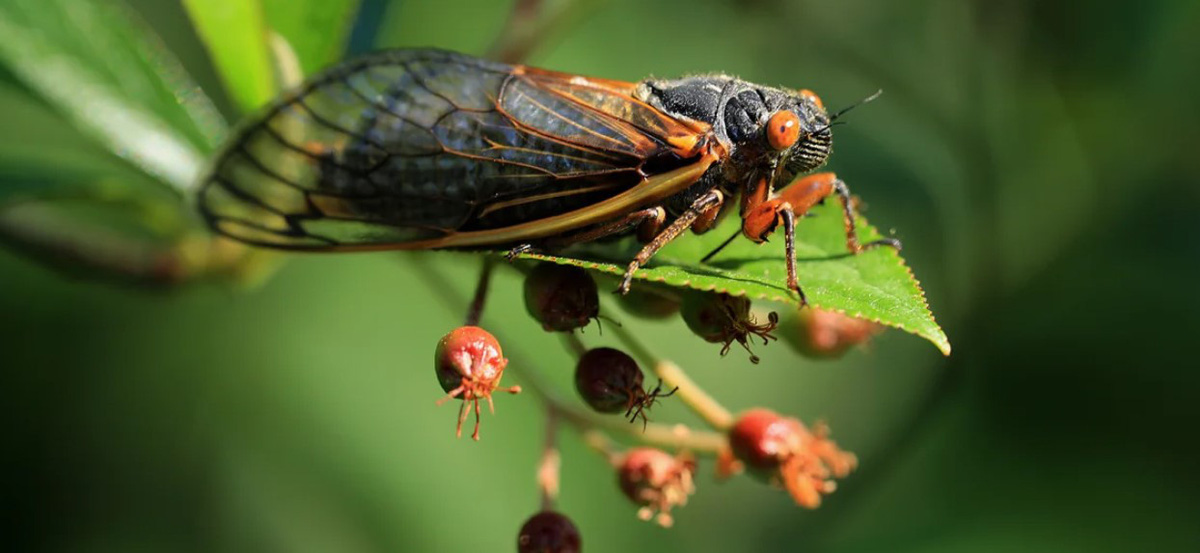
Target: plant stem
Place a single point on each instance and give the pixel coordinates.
(601, 443)
(699, 401)
(528, 26)
(73, 247)
(548, 468)
(475, 311)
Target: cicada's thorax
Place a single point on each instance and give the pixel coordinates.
(738, 112)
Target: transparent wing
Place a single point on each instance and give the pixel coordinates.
(409, 148)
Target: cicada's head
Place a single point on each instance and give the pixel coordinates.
(800, 132)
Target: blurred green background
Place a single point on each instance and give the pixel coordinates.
(1037, 158)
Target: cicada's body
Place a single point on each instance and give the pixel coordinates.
(417, 149)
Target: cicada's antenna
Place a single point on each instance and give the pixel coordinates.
(833, 119)
(843, 111)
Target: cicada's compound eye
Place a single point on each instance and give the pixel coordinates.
(810, 96)
(783, 129)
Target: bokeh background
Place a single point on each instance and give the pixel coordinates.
(1037, 158)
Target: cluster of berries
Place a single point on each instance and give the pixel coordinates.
(779, 450)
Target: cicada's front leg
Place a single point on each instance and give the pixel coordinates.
(704, 211)
(761, 217)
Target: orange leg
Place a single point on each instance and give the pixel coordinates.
(761, 218)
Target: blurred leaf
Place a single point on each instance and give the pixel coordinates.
(109, 74)
(235, 33)
(42, 156)
(316, 29)
(875, 285)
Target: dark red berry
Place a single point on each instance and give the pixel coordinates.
(725, 319)
(549, 532)
(785, 453)
(610, 381)
(648, 303)
(826, 334)
(561, 297)
(469, 365)
(656, 481)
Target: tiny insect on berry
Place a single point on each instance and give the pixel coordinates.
(824, 334)
(469, 366)
(549, 532)
(725, 319)
(561, 297)
(656, 481)
(609, 381)
(785, 453)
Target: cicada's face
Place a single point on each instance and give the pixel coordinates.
(799, 132)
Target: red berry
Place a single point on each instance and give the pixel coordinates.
(785, 453)
(469, 365)
(827, 334)
(656, 481)
(561, 297)
(549, 532)
(725, 319)
(610, 381)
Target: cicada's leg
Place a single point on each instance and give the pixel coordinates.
(703, 207)
(647, 222)
(761, 219)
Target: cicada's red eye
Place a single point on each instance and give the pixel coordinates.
(812, 97)
(783, 129)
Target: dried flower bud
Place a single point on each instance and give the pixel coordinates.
(725, 319)
(785, 453)
(469, 366)
(561, 297)
(648, 303)
(549, 532)
(826, 334)
(656, 481)
(610, 381)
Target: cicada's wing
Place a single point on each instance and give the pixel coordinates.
(425, 148)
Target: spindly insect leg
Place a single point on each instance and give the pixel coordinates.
(702, 207)
(648, 223)
(852, 243)
(795, 200)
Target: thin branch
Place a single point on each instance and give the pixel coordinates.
(475, 311)
(529, 26)
(551, 462)
(715, 414)
(574, 344)
(699, 401)
(601, 444)
(73, 247)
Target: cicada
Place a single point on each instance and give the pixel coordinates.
(429, 149)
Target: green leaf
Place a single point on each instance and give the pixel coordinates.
(317, 30)
(235, 34)
(111, 77)
(875, 285)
